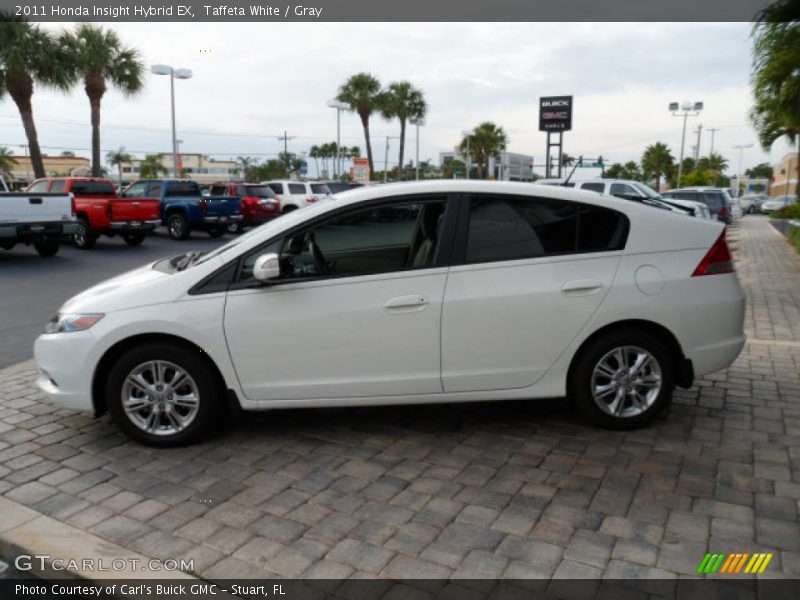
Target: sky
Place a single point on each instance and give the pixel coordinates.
(254, 81)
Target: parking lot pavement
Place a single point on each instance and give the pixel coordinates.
(510, 489)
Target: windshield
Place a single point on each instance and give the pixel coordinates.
(255, 232)
(647, 190)
(262, 191)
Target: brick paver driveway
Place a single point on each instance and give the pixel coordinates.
(502, 489)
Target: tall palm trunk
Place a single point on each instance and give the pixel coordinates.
(119, 166)
(365, 125)
(95, 88)
(20, 88)
(402, 149)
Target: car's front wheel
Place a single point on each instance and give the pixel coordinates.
(162, 394)
(622, 380)
(85, 237)
(178, 227)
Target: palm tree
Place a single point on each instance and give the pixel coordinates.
(68, 154)
(7, 162)
(100, 58)
(363, 93)
(246, 163)
(29, 56)
(713, 163)
(151, 167)
(657, 162)
(403, 101)
(313, 152)
(116, 158)
(487, 140)
(776, 75)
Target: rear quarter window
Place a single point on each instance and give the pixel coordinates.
(297, 188)
(276, 187)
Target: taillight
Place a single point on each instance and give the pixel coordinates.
(109, 210)
(311, 199)
(250, 200)
(723, 211)
(204, 206)
(717, 260)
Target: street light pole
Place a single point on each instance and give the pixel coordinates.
(339, 106)
(740, 148)
(467, 134)
(173, 75)
(386, 158)
(417, 122)
(686, 107)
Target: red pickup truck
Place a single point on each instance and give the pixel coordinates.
(100, 210)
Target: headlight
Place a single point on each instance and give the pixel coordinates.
(66, 323)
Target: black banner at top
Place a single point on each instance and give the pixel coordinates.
(384, 10)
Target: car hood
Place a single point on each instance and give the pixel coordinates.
(140, 287)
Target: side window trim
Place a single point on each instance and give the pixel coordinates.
(442, 258)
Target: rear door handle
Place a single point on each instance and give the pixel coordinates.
(406, 303)
(581, 287)
(34, 200)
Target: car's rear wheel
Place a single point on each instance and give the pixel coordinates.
(133, 239)
(46, 247)
(85, 237)
(751, 210)
(162, 394)
(622, 380)
(178, 227)
(288, 209)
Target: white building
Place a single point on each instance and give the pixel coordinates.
(506, 166)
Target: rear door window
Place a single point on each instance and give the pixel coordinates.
(594, 187)
(39, 187)
(276, 187)
(713, 200)
(92, 188)
(513, 227)
(58, 186)
(297, 188)
(217, 190)
(182, 188)
(136, 190)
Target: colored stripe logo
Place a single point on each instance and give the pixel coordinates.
(735, 563)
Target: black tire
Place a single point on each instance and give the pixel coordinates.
(582, 381)
(751, 210)
(288, 209)
(46, 247)
(216, 232)
(208, 393)
(133, 239)
(177, 227)
(85, 238)
(235, 228)
(7, 245)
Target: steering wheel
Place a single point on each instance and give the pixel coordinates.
(319, 259)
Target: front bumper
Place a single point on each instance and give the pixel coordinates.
(123, 226)
(65, 366)
(30, 232)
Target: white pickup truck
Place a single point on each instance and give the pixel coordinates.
(39, 219)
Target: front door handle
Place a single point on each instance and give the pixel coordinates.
(581, 287)
(406, 303)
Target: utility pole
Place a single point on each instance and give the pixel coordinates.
(697, 147)
(285, 139)
(713, 130)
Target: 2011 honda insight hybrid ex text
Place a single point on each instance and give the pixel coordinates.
(443, 291)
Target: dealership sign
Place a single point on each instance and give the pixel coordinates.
(360, 170)
(555, 113)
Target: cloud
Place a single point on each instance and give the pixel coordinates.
(254, 81)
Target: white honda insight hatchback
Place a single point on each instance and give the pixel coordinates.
(443, 291)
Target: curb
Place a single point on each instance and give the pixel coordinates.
(27, 365)
(24, 531)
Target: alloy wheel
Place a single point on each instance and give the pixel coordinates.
(626, 381)
(160, 398)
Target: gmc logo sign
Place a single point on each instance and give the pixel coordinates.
(555, 113)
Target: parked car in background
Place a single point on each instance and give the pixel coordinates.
(486, 291)
(101, 211)
(41, 219)
(296, 194)
(751, 203)
(259, 203)
(778, 203)
(628, 190)
(718, 200)
(184, 208)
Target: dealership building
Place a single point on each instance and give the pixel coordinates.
(199, 167)
(506, 166)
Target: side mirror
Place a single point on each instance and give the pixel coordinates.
(266, 267)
